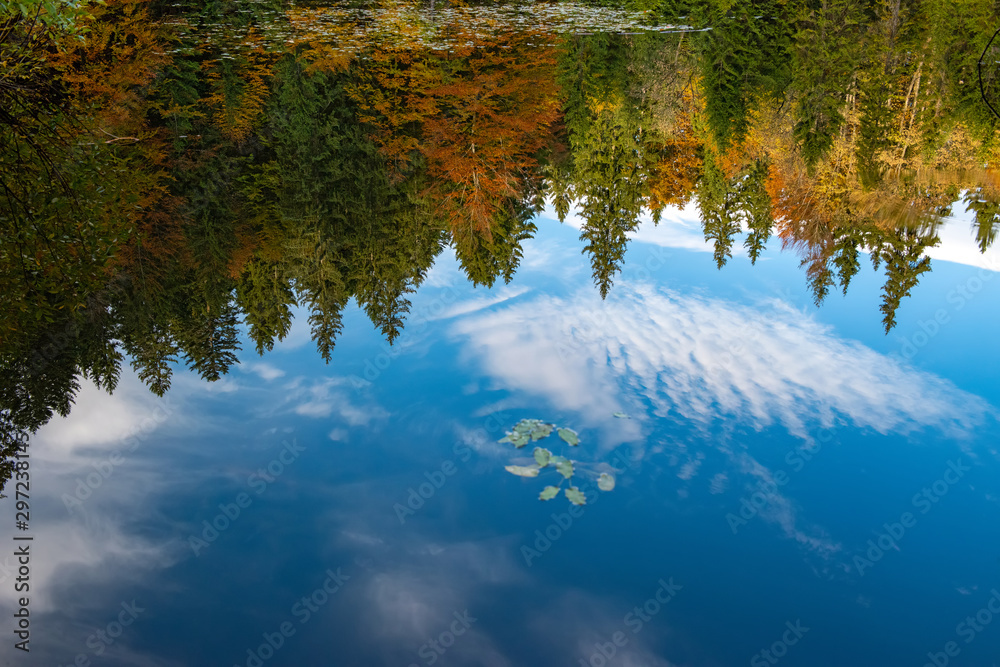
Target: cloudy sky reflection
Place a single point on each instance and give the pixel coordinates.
(384, 467)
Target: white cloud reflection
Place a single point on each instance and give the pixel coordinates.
(266, 372)
(331, 397)
(701, 360)
(708, 366)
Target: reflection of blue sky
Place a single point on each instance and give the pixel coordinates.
(681, 228)
(723, 375)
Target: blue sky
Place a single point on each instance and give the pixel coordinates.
(727, 377)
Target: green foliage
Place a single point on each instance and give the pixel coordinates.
(266, 299)
(523, 471)
(902, 251)
(548, 493)
(533, 430)
(542, 456)
(575, 496)
(569, 436)
(486, 258)
(63, 17)
(611, 138)
(728, 203)
(873, 131)
(958, 32)
(742, 57)
(826, 53)
(845, 255)
(986, 223)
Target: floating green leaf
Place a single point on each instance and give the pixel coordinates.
(563, 465)
(605, 482)
(526, 425)
(543, 456)
(520, 440)
(541, 431)
(523, 471)
(621, 415)
(548, 493)
(569, 436)
(506, 438)
(576, 496)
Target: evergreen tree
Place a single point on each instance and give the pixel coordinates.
(825, 56)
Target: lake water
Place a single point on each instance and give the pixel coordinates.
(794, 483)
(734, 386)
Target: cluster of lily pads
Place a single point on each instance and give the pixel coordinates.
(533, 430)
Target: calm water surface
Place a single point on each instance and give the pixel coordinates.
(815, 486)
(770, 452)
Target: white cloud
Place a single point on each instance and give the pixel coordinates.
(576, 622)
(958, 244)
(678, 228)
(96, 550)
(708, 366)
(100, 420)
(480, 303)
(446, 271)
(702, 359)
(266, 372)
(328, 397)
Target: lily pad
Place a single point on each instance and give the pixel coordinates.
(541, 431)
(526, 425)
(563, 465)
(548, 493)
(569, 436)
(542, 456)
(521, 440)
(621, 415)
(575, 496)
(605, 482)
(523, 471)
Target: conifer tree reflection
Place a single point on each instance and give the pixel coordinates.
(214, 178)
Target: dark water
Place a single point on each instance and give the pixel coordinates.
(277, 282)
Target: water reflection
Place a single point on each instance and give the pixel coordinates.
(180, 170)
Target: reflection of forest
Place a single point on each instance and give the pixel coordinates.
(163, 181)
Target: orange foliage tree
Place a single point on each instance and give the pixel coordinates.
(476, 115)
